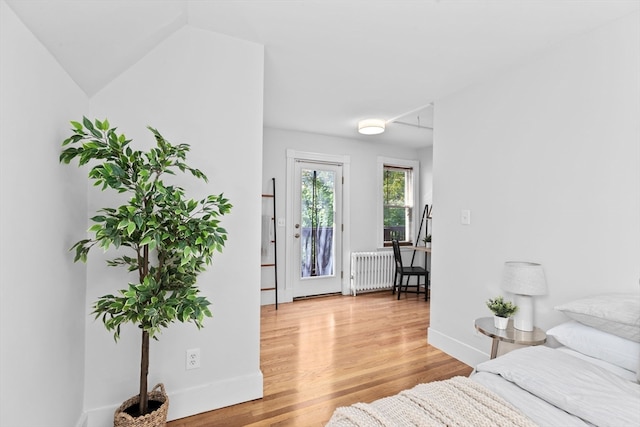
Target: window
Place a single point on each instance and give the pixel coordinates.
(397, 194)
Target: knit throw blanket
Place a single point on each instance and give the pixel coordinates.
(458, 401)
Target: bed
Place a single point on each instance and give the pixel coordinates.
(590, 377)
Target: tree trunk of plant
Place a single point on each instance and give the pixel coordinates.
(144, 358)
(144, 371)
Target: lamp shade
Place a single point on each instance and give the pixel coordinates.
(523, 278)
(371, 126)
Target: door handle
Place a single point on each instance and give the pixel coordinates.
(297, 226)
(297, 235)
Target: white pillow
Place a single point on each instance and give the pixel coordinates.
(599, 344)
(618, 314)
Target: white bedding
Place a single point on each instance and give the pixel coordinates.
(575, 386)
(539, 411)
(550, 387)
(621, 372)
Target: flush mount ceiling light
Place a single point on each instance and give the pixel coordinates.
(371, 126)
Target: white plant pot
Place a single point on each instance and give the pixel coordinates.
(500, 322)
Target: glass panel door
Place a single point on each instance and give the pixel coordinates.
(317, 238)
(317, 246)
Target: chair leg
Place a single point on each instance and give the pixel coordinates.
(395, 281)
(406, 287)
(426, 287)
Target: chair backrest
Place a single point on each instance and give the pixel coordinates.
(396, 253)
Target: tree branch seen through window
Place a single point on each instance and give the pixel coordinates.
(397, 203)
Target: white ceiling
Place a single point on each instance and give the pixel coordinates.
(330, 63)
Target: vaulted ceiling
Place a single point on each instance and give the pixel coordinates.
(328, 64)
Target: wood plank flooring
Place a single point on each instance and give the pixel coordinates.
(321, 353)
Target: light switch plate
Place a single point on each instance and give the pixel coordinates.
(465, 217)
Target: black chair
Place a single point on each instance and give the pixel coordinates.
(402, 271)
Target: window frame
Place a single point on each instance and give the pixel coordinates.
(413, 193)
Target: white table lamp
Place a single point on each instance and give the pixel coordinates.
(524, 279)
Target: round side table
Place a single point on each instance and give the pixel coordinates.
(485, 326)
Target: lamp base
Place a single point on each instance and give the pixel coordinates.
(523, 319)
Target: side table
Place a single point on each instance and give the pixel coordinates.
(485, 326)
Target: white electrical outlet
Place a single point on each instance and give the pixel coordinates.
(193, 358)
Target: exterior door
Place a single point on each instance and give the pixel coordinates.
(317, 232)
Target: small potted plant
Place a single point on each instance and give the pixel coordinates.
(502, 311)
(427, 240)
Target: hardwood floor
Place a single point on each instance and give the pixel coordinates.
(321, 353)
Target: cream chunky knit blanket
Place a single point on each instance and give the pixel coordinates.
(458, 401)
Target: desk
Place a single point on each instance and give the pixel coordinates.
(421, 249)
(485, 326)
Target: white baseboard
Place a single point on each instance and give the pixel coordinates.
(268, 297)
(100, 417)
(455, 348)
(192, 401)
(215, 395)
(82, 420)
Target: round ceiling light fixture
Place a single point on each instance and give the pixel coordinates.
(371, 126)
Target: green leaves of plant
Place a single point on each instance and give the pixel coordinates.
(500, 307)
(183, 233)
(151, 307)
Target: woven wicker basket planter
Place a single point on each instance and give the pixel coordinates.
(157, 418)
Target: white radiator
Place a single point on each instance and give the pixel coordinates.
(371, 271)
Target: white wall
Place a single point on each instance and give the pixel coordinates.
(546, 155)
(425, 156)
(42, 293)
(203, 89)
(363, 156)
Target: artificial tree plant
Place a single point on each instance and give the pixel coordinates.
(168, 238)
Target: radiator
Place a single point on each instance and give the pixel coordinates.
(371, 271)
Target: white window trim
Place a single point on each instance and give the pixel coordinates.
(403, 163)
